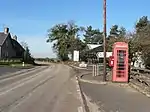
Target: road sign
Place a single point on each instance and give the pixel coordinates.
(101, 54)
(76, 56)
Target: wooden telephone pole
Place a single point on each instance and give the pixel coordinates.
(104, 39)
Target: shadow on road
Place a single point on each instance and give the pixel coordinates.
(37, 64)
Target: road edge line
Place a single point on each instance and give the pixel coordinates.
(7, 75)
(82, 108)
(139, 89)
(80, 68)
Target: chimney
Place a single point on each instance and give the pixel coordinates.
(15, 37)
(6, 30)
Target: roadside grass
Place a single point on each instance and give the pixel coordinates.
(21, 65)
(17, 65)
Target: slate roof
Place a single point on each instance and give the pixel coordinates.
(95, 50)
(3, 36)
(92, 46)
(16, 45)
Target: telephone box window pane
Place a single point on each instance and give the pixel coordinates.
(120, 73)
(121, 56)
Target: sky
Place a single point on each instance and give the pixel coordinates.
(30, 19)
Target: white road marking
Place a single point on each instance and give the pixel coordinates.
(22, 82)
(21, 71)
(80, 109)
(13, 77)
(27, 78)
(25, 98)
(79, 67)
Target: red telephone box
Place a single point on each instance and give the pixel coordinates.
(120, 67)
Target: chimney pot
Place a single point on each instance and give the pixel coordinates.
(6, 30)
(15, 37)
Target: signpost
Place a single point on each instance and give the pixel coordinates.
(101, 55)
(95, 70)
(76, 56)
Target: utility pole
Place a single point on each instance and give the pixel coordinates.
(104, 39)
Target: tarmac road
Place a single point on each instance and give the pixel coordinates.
(114, 98)
(5, 70)
(51, 90)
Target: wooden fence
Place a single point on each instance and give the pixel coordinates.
(140, 79)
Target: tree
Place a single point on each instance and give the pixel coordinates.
(139, 41)
(120, 35)
(122, 32)
(93, 36)
(134, 47)
(58, 35)
(27, 55)
(73, 42)
(143, 37)
(116, 35)
(82, 48)
(24, 45)
(65, 38)
(114, 31)
(142, 24)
